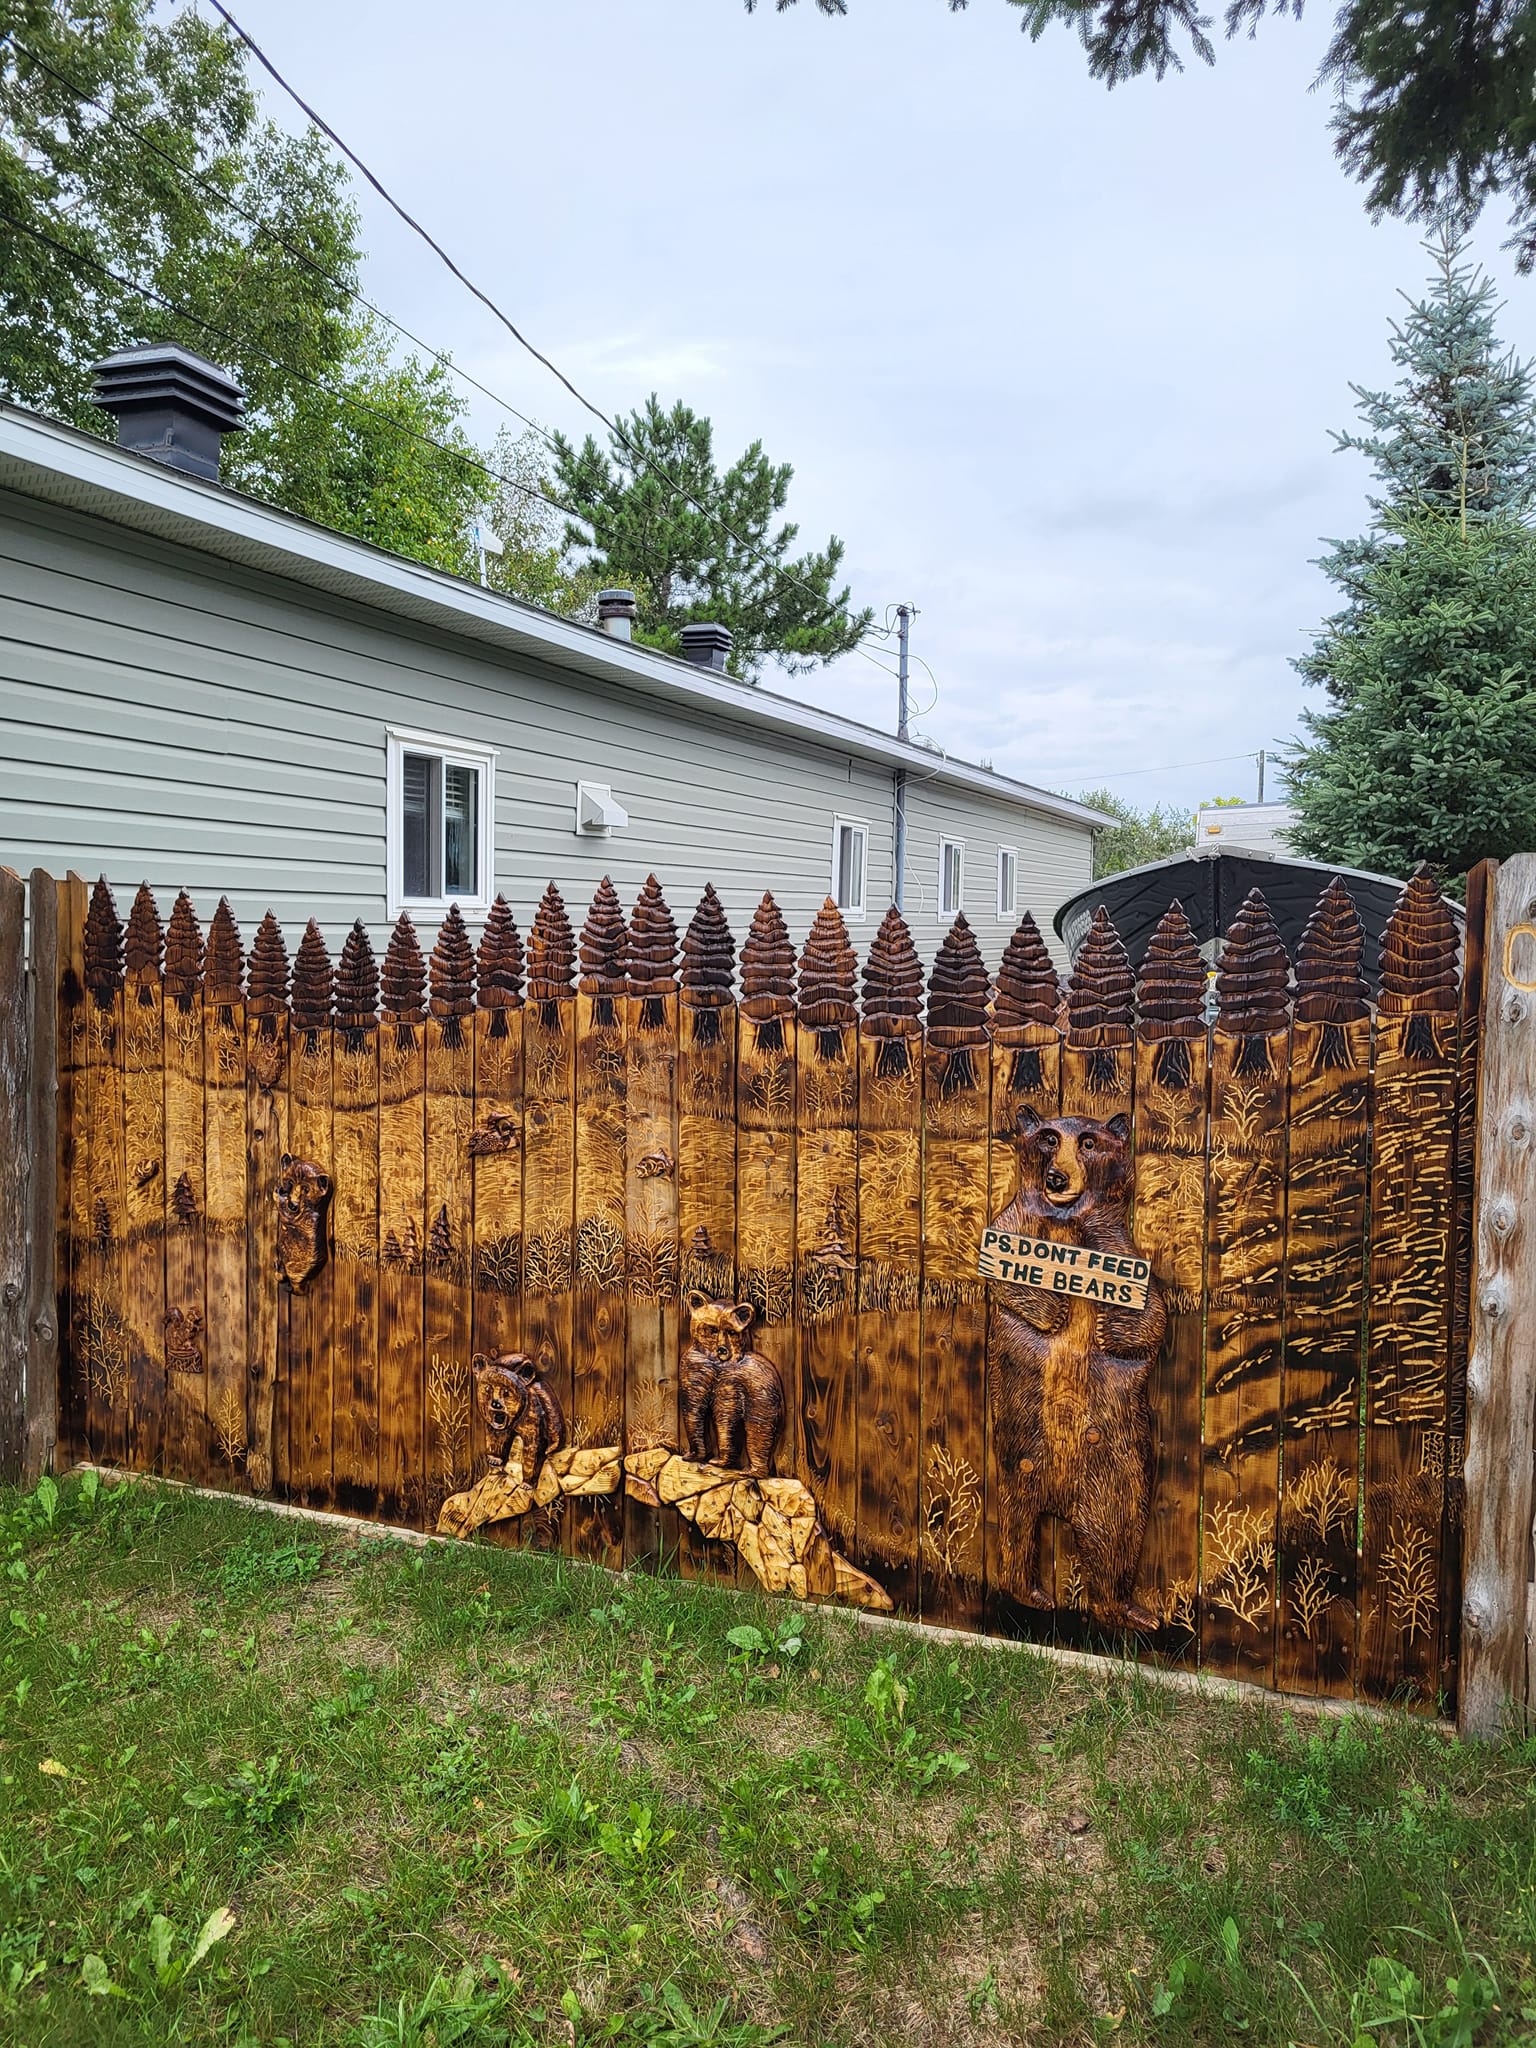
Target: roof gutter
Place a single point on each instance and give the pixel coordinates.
(60, 465)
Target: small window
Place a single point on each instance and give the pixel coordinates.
(951, 877)
(850, 860)
(440, 833)
(1007, 881)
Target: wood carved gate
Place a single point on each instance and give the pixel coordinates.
(547, 1157)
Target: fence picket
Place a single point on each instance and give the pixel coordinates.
(450, 1215)
(549, 1182)
(595, 1528)
(106, 1342)
(184, 1195)
(306, 1313)
(74, 1165)
(266, 1072)
(402, 1225)
(226, 1164)
(498, 1148)
(355, 1228)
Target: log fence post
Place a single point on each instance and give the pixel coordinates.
(41, 1424)
(15, 1175)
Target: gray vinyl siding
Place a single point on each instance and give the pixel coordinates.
(166, 717)
(1055, 861)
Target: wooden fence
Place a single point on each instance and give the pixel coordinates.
(548, 1155)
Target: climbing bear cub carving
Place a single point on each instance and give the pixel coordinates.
(733, 1399)
(1071, 1422)
(516, 1406)
(301, 1195)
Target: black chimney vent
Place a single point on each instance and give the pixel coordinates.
(170, 404)
(706, 644)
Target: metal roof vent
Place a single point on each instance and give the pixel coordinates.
(170, 404)
(706, 645)
(616, 613)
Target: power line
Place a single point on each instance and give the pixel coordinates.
(776, 569)
(1170, 768)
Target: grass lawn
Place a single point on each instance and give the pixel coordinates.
(263, 1783)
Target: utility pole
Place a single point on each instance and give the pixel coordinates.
(904, 618)
(1262, 758)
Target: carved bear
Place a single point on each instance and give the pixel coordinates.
(301, 1195)
(516, 1406)
(733, 1399)
(1071, 1421)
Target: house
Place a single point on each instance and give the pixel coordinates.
(205, 692)
(1251, 828)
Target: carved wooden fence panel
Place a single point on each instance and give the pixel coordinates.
(549, 1158)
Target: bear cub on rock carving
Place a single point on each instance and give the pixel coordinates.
(1071, 1422)
(301, 1195)
(517, 1407)
(733, 1398)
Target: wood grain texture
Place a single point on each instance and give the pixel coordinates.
(184, 1191)
(1245, 1295)
(48, 1262)
(826, 1455)
(106, 1339)
(549, 1209)
(1501, 1373)
(1412, 1283)
(402, 1251)
(227, 1170)
(498, 1191)
(706, 1198)
(651, 1258)
(355, 1279)
(74, 1167)
(450, 1238)
(595, 1527)
(15, 1174)
(144, 1191)
(308, 1317)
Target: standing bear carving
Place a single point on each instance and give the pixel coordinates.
(733, 1398)
(301, 1195)
(517, 1407)
(1071, 1421)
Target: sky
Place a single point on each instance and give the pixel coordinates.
(1058, 364)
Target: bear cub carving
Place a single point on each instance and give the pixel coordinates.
(733, 1398)
(1071, 1421)
(517, 1407)
(301, 1195)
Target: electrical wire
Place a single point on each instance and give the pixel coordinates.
(1169, 768)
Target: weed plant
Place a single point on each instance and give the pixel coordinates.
(260, 1786)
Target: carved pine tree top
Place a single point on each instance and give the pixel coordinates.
(1330, 987)
(102, 946)
(1418, 952)
(709, 955)
(893, 981)
(452, 969)
(958, 990)
(1171, 985)
(224, 963)
(1028, 990)
(603, 942)
(551, 950)
(357, 981)
(829, 970)
(312, 991)
(767, 965)
(145, 940)
(499, 981)
(183, 952)
(266, 980)
(403, 984)
(1101, 993)
(652, 950)
(1253, 977)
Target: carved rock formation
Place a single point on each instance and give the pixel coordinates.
(1101, 994)
(403, 984)
(767, 965)
(224, 963)
(893, 981)
(357, 982)
(145, 940)
(709, 956)
(183, 953)
(604, 941)
(1171, 984)
(102, 945)
(311, 997)
(829, 973)
(1254, 973)
(651, 958)
(551, 950)
(1028, 987)
(958, 990)
(452, 969)
(1330, 987)
(266, 981)
(1418, 952)
(499, 977)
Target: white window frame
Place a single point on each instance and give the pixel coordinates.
(1008, 906)
(852, 913)
(454, 753)
(951, 909)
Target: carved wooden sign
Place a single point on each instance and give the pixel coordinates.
(1116, 1278)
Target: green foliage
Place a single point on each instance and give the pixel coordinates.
(1137, 836)
(1393, 1998)
(259, 1563)
(655, 515)
(1429, 751)
(260, 1802)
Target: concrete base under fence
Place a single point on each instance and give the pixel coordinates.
(1085, 1662)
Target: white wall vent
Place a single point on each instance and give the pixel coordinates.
(596, 810)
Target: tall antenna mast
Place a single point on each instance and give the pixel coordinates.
(904, 619)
